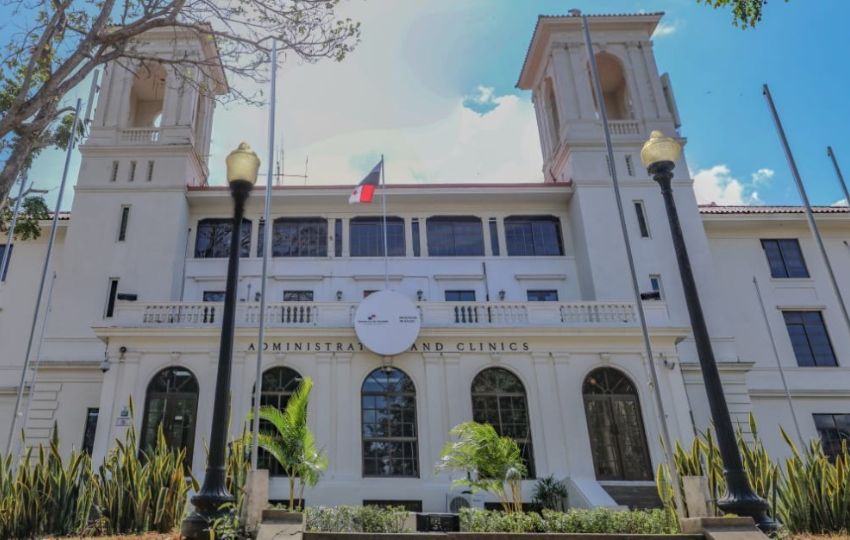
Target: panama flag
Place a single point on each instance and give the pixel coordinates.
(365, 190)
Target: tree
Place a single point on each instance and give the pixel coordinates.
(50, 46)
(33, 209)
(489, 462)
(292, 443)
(746, 13)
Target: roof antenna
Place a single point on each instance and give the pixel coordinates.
(575, 12)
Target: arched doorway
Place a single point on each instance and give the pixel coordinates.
(171, 400)
(498, 399)
(614, 422)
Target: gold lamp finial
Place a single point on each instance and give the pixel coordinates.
(242, 164)
(659, 148)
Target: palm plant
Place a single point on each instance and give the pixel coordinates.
(291, 442)
(490, 462)
(550, 493)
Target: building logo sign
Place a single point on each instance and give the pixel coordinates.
(387, 323)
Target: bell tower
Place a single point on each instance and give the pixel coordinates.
(637, 99)
(163, 108)
(149, 140)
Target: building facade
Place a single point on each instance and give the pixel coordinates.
(528, 318)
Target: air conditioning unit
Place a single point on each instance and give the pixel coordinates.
(456, 500)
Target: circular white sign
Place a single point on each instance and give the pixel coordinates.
(387, 323)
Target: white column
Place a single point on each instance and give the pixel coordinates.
(435, 432)
(552, 439)
(348, 437)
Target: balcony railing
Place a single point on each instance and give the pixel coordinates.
(139, 135)
(341, 314)
(624, 127)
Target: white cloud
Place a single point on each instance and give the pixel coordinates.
(717, 185)
(664, 29)
(391, 97)
(842, 202)
(762, 176)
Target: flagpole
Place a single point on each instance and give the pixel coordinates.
(268, 232)
(840, 176)
(384, 210)
(647, 344)
(12, 225)
(795, 173)
(68, 153)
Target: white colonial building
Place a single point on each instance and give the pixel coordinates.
(528, 319)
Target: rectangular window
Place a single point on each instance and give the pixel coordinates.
(122, 228)
(542, 296)
(460, 296)
(132, 175)
(297, 296)
(832, 428)
(533, 236)
(297, 237)
(213, 238)
(368, 292)
(455, 236)
(366, 237)
(640, 211)
(785, 258)
(494, 236)
(90, 430)
(3, 248)
(337, 237)
(114, 176)
(630, 165)
(213, 296)
(414, 233)
(149, 176)
(809, 338)
(655, 285)
(110, 300)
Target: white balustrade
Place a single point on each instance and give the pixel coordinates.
(624, 127)
(341, 314)
(139, 135)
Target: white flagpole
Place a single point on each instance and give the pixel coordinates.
(840, 176)
(68, 152)
(4, 262)
(268, 232)
(795, 173)
(659, 405)
(384, 209)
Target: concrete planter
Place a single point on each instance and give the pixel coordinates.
(497, 536)
(278, 515)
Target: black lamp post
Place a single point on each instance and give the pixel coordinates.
(659, 155)
(242, 167)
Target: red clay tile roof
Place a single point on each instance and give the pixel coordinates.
(716, 209)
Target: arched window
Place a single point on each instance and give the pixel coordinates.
(617, 437)
(171, 400)
(147, 94)
(390, 446)
(612, 77)
(498, 399)
(213, 238)
(278, 385)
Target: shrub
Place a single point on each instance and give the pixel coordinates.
(368, 519)
(598, 520)
(139, 491)
(44, 496)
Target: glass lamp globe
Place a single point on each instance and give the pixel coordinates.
(242, 164)
(659, 148)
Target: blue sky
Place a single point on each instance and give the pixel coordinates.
(432, 86)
